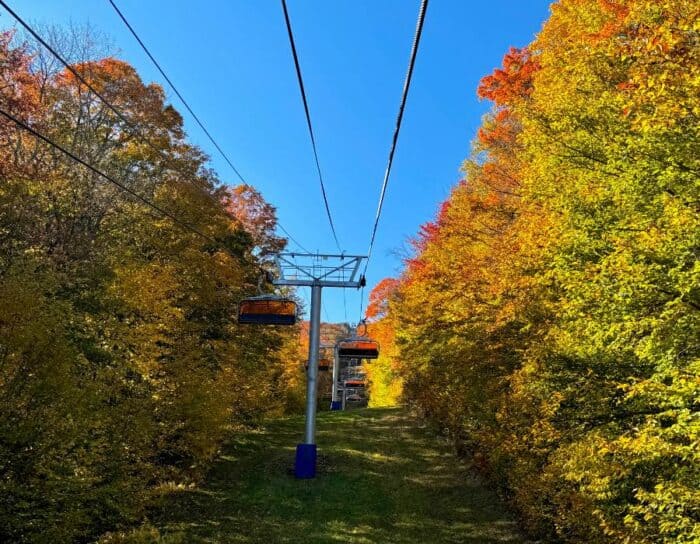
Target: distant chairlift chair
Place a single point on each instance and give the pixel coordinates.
(360, 347)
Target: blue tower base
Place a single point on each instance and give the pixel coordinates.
(305, 462)
(336, 405)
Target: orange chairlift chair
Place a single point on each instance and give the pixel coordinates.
(360, 347)
(267, 310)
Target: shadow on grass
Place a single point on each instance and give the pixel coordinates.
(381, 479)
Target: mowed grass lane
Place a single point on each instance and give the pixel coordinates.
(382, 478)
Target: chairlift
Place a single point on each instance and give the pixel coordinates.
(360, 347)
(267, 310)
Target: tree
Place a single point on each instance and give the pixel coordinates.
(256, 216)
(123, 366)
(549, 317)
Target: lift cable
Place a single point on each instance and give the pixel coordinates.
(189, 109)
(120, 185)
(110, 179)
(135, 130)
(292, 237)
(80, 78)
(362, 302)
(172, 86)
(397, 128)
(308, 119)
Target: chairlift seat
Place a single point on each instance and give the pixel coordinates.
(267, 310)
(360, 347)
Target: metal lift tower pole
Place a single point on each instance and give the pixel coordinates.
(315, 271)
(312, 371)
(335, 403)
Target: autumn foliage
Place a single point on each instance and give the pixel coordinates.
(550, 316)
(122, 367)
(384, 374)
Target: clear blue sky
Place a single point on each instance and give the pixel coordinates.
(232, 62)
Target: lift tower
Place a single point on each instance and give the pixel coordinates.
(316, 271)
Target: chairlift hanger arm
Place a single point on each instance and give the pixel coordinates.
(322, 255)
(321, 283)
(310, 273)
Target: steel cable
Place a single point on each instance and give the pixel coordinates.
(308, 120)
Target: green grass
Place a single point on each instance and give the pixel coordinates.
(382, 478)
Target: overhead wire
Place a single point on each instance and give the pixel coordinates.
(189, 108)
(79, 76)
(292, 237)
(120, 185)
(416, 41)
(308, 121)
(397, 127)
(176, 91)
(183, 224)
(134, 129)
(362, 302)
